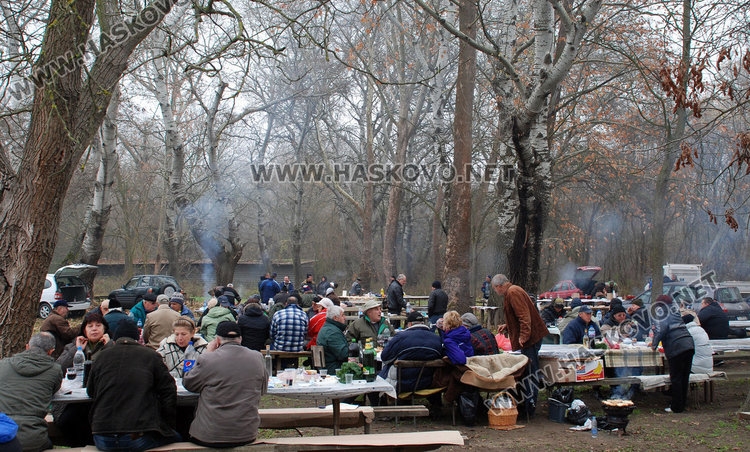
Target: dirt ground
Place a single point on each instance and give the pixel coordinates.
(702, 427)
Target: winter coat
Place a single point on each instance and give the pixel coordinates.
(174, 356)
(715, 321)
(550, 315)
(29, 380)
(138, 312)
(335, 346)
(60, 328)
(577, 329)
(230, 381)
(671, 332)
(416, 343)
(255, 327)
(362, 328)
(132, 391)
(482, 341)
(113, 319)
(703, 361)
(289, 329)
(313, 327)
(457, 345)
(268, 288)
(395, 298)
(159, 325)
(524, 324)
(211, 320)
(437, 304)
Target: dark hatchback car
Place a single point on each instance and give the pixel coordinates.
(134, 290)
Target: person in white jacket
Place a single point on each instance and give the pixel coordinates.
(703, 361)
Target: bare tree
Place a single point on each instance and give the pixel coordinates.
(68, 108)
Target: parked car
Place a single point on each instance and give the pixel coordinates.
(730, 300)
(680, 292)
(582, 283)
(68, 283)
(134, 290)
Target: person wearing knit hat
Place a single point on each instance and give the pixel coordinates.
(482, 340)
(554, 311)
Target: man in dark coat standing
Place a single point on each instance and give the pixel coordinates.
(437, 304)
(395, 298)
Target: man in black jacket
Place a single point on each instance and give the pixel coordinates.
(713, 319)
(134, 396)
(437, 304)
(395, 298)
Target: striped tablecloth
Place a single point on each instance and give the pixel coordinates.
(633, 357)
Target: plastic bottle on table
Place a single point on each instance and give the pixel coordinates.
(592, 335)
(78, 360)
(269, 361)
(190, 357)
(599, 317)
(140, 331)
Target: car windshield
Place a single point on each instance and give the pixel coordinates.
(133, 283)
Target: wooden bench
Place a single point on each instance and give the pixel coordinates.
(660, 381)
(292, 418)
(413, 441)
(401, 411)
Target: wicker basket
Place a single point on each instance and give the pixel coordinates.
(502, 417)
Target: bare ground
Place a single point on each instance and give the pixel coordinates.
(702, 427)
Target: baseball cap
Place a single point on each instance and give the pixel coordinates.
(559, 301)
(329, 291)
(228, 329)
(149, 297)
(586, 309)
(224, 301)
(162, 299)
(60, 303)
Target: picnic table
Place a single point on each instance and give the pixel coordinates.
(332, 390)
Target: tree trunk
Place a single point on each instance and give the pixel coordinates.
(101, 205)
(68, 108)
(456, 271)
(673, 137)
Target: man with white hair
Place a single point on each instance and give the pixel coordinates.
(331, 338)
(230, 379)
(30, 379)
(525, 329)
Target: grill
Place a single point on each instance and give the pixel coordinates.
(616, 417)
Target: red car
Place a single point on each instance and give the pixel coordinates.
(582, 284)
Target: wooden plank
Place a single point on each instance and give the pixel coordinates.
(281, 418)
(402, 411)
(413, 441)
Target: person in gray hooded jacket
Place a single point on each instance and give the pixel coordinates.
(30, 379)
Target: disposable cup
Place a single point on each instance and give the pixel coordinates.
(349, 378)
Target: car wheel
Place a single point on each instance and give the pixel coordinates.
(169, 291)
(44, 310)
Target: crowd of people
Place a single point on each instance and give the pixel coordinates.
(137, 357)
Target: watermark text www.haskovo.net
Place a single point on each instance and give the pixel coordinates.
(380, 173)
